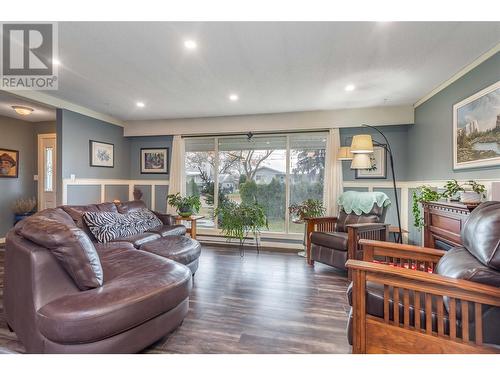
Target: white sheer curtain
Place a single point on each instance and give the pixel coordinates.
(333, 173)
(176, 177)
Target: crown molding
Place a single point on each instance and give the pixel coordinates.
(459, 74)
(53, 102)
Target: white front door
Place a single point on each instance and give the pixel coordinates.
(46, 171)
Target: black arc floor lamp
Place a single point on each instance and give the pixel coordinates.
(361, 148)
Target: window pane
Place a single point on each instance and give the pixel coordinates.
(254, 171)
(48, 177)
(199, 176)
(307, 170)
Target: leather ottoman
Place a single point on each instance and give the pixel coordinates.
(181, 249)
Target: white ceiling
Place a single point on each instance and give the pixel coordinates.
(273, 67)
(40, 112)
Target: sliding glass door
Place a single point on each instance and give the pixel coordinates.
(272, 170)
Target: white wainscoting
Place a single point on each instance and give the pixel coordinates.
(370, 185)
(105, 182)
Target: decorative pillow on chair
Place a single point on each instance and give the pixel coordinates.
(70, 245)
(107, 226)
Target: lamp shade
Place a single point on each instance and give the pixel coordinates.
(361, 161)
(362, 144)
(344, 153)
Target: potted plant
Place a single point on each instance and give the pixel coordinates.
(467, 192)
(186, 206)
(424, 194)
(238, 220)
(23, 207)
(308, 208)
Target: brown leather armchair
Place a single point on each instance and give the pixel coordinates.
(421, 300)
(333, 240)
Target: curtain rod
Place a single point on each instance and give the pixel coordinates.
(282, 132)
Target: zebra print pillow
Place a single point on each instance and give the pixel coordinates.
(107, 226)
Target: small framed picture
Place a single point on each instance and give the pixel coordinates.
(379, 165)
(102, 154)
(154, 160)
(9, 163)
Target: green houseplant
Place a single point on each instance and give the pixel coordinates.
(469, 192)
(308, 208)
(186, 206)
(238, 220)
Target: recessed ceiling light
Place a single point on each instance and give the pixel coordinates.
(21, 110)
(140, 104)
(190, 44)
(233, 97)
(350, 87)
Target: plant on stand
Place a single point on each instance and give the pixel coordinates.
(23, 207)
(186, 206)
(239, 220)
(308, 208)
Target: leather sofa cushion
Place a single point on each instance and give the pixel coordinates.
(458, 263)
(179, 248)
(70, 245)
(130, 206)
(481, 234)
(138, 287)
(138, 239)
(166, 219)
(333, 240)
(169, 230)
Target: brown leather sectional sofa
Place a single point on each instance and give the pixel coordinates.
(141, 296)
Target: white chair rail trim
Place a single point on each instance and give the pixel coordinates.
(105, 182)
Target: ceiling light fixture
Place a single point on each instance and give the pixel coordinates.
(233, 97)
(190, 44)
(140, 104)
(350, 87)
(21, 110)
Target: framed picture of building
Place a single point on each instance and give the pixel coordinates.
(102, 154)
(379, 165)
(476, 129)
(9, 163)
(154, 160)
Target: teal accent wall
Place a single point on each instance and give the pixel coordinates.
(76, 131)
(430, 146)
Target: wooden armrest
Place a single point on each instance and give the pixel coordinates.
(368, 226)
(421, 281)
(321, 219)
(396, 250)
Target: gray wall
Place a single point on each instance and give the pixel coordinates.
(76, 131)
(430, 144)
(398, 139)
(22, 136)
(136, 143)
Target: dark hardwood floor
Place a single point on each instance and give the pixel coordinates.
(267, 303)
